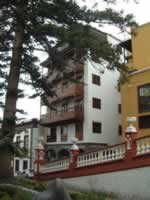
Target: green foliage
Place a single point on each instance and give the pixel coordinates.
(89, 196)
(22, 195)
(6, 197)
(45, 26)
(8, 189)
(12, 193)
(31, 184)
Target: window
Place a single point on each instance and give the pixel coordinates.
(26, 141)
(97, 127)
(18, 141)
(65, 107)
(78, 104)
(17, 165)
(79, 131)
(119, 130)
(64, 134)
(25, 164)
(119, 108)
(52, 136)
(96, 103)
(95, 79)
(144, 98)
(144, 122)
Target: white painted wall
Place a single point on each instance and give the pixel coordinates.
(69, 128)
(108, 114)
(33, 134)
(129, 185)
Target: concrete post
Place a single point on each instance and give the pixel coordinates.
(40, 154)
(74, 154)
(131, 134)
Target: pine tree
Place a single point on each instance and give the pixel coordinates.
(27, 26)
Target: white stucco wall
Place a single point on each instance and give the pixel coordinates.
(108, 115)
(33, 134)
(70, 130)
(130, 184)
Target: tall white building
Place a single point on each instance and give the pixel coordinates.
(87, 109)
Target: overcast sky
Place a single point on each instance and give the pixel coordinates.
(141, 11)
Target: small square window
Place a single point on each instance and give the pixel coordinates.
(96, 103)
(95, 79)
(97, 127)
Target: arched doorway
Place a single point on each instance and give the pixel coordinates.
(63, 153)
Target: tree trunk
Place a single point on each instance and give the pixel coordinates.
(8, 124)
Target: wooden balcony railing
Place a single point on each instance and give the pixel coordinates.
(73, 90)
(62, 117)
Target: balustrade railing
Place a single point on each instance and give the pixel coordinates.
(105, 155)
(58, 165)
(143, 145)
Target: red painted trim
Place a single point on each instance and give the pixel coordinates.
(130, 161)
(106, 167)
(139, 138)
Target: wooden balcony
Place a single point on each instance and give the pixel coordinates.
(74, 90)
(53, 119)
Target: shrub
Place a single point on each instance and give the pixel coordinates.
(22, 195)
(6, 197)
(7, 189)
(12, 193)
(31, 184)
(88, 196)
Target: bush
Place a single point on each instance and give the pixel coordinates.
(31, 184)
(22, 195)
(12, 193)
(7, 189)
(88, 196)
(6, 197)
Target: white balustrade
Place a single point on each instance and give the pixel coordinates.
(58, 165)
(105, 155)
(143, 146)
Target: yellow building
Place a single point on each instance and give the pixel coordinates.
(135, 93)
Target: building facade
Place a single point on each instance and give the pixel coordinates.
(26, 137)
(135, 93)
(86, 109)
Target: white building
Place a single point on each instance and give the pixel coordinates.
(26, 137)
(88, 109)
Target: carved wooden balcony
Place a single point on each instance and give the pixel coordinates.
(62, 118)
(73, 90)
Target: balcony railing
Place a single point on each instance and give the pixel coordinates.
(62, 117)
(113, 153)
(54, 166)
(73, 90)
(143, 145)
